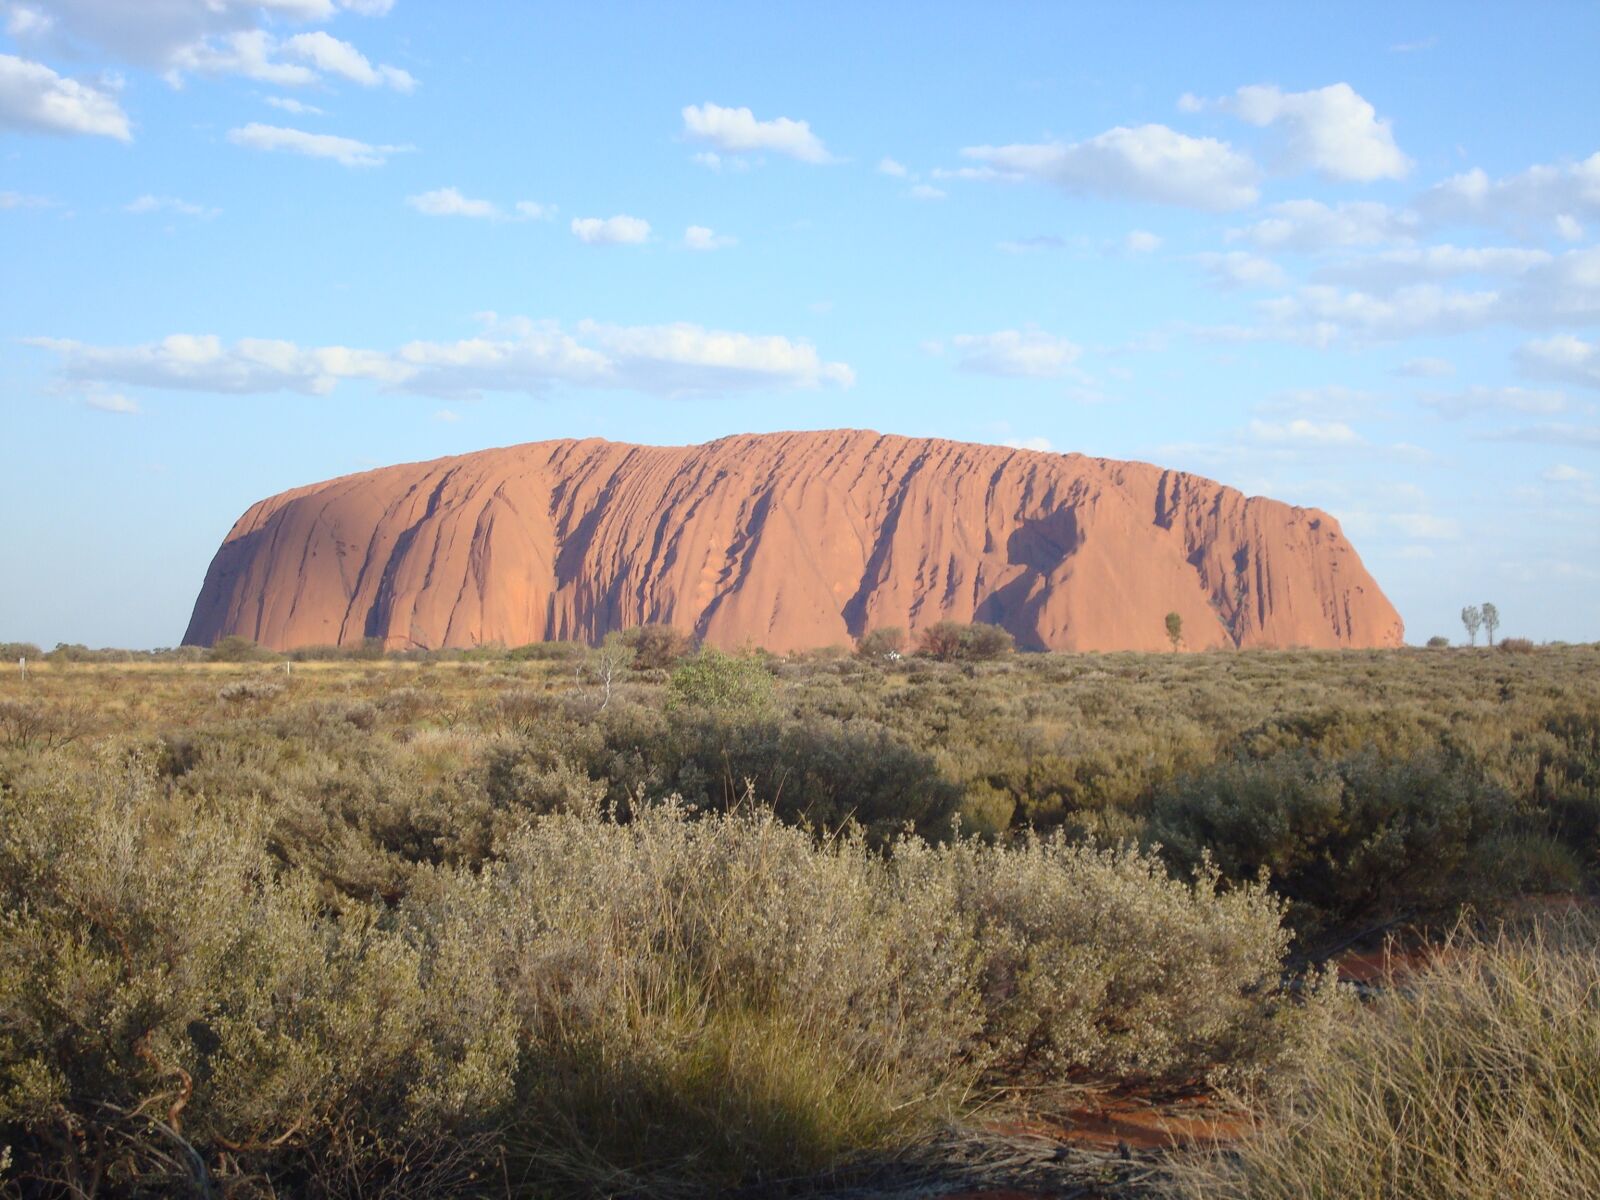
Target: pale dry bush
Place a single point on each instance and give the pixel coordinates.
(1475, 1079)
(712, 996)
(172, 1007)
(1094, 962)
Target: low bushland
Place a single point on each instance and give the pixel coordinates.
(675, 1001)
(645, 919)
(1475, 1078)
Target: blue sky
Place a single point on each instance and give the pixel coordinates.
(1353, 265)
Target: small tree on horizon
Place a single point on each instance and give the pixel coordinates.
(1174, 630)
(1472, 618)
(1491, 620)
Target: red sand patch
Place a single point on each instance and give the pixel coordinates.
(1112, 1121)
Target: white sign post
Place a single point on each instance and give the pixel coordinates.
(22, 665)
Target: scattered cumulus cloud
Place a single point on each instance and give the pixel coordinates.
(1564, 357)
(169, 204)
(1545, 198)
(290, 105)
(512, 355)
(619, 230)
(1032, 443)
(925, 191)
(346, 151)
(699, 237)
(1425, 368)
(1141, 241)
(449, 202)
(737, 131)
(1414, 264)
(1306, 432)
(888, 166)
(1034, 245)
(111, 402)
(234, 37)
(1481, 400)
(1241, 269)
(1149, 163)
(1311, 226)
(1565, 473)
(34, 99)
(1426, 526)
(23, 200)
(1015, 354)
(334, 57)
(1332, 130)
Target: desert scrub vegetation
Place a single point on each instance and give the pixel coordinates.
(675, 1001)
(1476, 1077)
(418, 924)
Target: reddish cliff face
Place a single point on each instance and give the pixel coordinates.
(788, 541)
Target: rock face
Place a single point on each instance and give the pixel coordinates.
(787, 541)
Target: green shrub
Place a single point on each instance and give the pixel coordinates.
(234, 649)
(714, 682)
(880, 644)
(951, 641)
(1437, 642)
(1348, 841)
(656, 647)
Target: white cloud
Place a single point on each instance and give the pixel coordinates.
(1032, 443)
(449, 202)
(1481, 400)
(1427, 43)
(1331, 130)
(619, 230)
(1564, 357)
(1310, 225)
(328, 54)
(210, 36)
(1550, 433)
(248, 53)
(1425, 368)
(1141, 241)
(888, 166)
(111, 402)
(1396, 268)
(699, 237)
(1239, 269)
(1426, 526)
(1017, 354)
(508, 355)
(23, 200)
(291, 105)
(1033, 245)
(1151, 163)
(1318, 314)
(532, 210)
(1546, 197)
(35, 99)
(346, 151)
(1305, 432)
(925, 191)
(172, 204)
(1564, 473)
(150, 34)
(736, 131)
(1328, 402)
